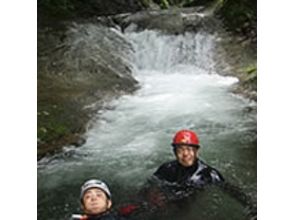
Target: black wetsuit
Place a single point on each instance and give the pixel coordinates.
(197, 175)
(177, 181)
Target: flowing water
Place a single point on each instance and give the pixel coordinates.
(180, 88)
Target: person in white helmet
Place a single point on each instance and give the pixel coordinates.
(96, 202)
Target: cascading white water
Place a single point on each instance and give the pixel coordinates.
(180, 88)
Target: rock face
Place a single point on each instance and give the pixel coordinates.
(171, 21)
(237, 57)
(79, 68)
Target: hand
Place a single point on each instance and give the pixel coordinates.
(128, 209)
(156, 198)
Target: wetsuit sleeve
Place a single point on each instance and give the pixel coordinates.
(216, 176)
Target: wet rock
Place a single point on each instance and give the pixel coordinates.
(171, 21)
(237, 57)
(81, 65)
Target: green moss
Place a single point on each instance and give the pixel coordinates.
(146, 3)
(251, 69)
(164, 4)
(250, 72)
(50, 124)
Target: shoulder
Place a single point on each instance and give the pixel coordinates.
(166, 167)
(165, 171)
(206, 169)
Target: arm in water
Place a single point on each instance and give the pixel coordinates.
(238, 194)
(157, 195)
(148, 200)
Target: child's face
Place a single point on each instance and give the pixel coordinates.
(95, 201)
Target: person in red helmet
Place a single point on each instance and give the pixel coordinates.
(187, 169)
(178, 179)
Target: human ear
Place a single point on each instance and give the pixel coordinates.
(196, 151)
(109, 204)
(82, 207)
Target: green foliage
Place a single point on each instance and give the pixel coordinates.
(192, 3)
(251, 69)
(240, 16)
(164, 4)
(146, 3)
(250, 76)
(187, 2)
(60, 8)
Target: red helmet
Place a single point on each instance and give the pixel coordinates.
(186, 137)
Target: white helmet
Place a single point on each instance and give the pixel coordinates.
(94, 184)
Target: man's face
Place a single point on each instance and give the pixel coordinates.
(186, 155)
(95, 201)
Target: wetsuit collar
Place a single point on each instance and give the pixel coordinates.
(97, 216)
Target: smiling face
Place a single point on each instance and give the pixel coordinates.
(95, 201)
(186, 155)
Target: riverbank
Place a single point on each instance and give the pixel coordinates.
(239, 43)
(241, 56)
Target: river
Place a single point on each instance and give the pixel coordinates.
(179, 88)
